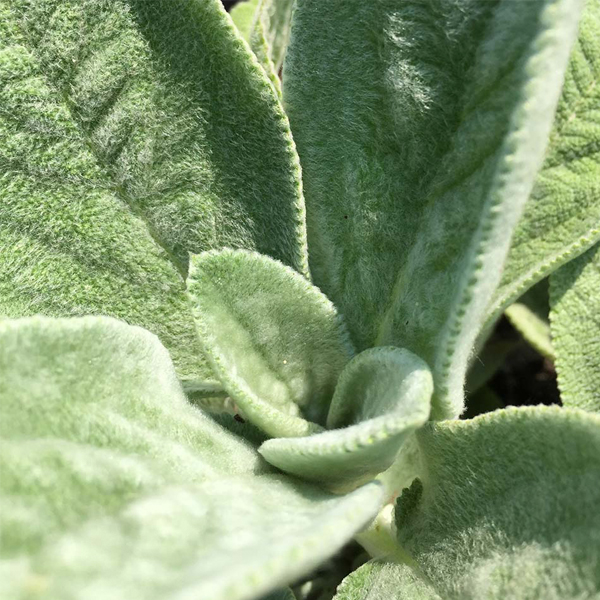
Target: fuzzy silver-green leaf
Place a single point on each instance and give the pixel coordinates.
(561, 218)
(113, 486)
(275, 342)
(382, 396)
(575, 324)
(507, 506)
(420, 128)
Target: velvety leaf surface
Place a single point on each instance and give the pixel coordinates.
(562, 217)
(420, 128)
(529, 316)
(381, 580)
(175, 109)
(69, 244)
(575, 321)
(507, 506)
(275, 342)
(382, 396)
(113, 486)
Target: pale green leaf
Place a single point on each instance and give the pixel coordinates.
(273, 29)
(534, 329)
(113, 486)
(420, 128)
(180, 117)
(243, 15)
(69, 245)
(382, 396)
(562, 217)
(575, 322)
(119, 154)
(507, 506)
(274, 341)
(265, 25)
(381, 580)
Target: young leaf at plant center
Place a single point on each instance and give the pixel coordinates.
(265, 24)
(179, 117)
(270, 36)
(274, 341)
(276, 20)
(113, 486)
(561, 219)
(69, 245)
(382, 580)
(420, 129)
(575, 322)
(507, 506)
(382, 396)
(529, 316)
(243, 15)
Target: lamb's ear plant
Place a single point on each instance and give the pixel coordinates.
(225, 351)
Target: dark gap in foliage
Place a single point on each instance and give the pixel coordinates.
(524, 377)
(229, 4)
(326, 578)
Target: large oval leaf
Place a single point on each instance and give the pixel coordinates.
(113, 486)
(507, 506)
(180, 116)
(131, 133)
(420, 128)
(69, 245)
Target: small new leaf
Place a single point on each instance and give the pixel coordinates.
(275, 342)
(382, 396)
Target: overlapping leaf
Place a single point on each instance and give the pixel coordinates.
(507, 507)
(420, 128)
(575, 321)
(274, 341)
(382, 396)
(561, 219)
(113, 486)
(265, 24)
(131, 133)
(68, 244)
(243, 15)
